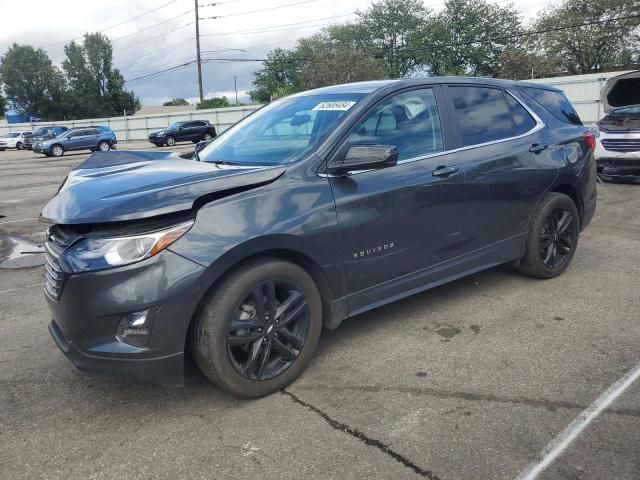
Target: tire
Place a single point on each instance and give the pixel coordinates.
(553, 237)
(57, 150)
(170, 141)
(233, 303)
(104, 146)
(20, 146)
(207, 137)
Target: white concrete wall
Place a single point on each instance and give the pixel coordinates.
(139, 127)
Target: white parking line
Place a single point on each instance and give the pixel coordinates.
(19, 192)
(21, 220)
(562, 441)
(16, 289)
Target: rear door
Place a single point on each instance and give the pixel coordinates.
(508, 165)
(402, 226)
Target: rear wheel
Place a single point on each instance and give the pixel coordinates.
(57, 151)
(20, 146)
(207, 137)
(171, 141)
(553, 237)
(258, 329)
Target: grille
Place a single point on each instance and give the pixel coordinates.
(621, 144)
(57, 242)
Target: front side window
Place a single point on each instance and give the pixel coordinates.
(408, 121)
(282, 132)
(482, 114)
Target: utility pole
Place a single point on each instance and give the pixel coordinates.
(198, 52)
(235, 87)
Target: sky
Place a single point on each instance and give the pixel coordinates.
(153, 35)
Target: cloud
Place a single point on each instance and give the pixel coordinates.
(164, 38)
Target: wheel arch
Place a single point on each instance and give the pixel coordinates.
(571, 192)
(216, 274)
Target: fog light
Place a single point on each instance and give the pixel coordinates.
(135, 328)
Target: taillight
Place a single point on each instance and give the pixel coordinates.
(590, 140)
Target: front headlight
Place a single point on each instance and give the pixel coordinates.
(101, 253)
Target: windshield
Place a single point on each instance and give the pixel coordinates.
(42, 131)
(282, 132)
(633, 110)
(66, 133)
(175, 126)
(13, 135)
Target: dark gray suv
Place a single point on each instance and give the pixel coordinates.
(315, 208)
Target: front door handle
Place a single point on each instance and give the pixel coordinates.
(443, 171)
(538, 147)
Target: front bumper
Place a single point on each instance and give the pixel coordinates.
(90, 306)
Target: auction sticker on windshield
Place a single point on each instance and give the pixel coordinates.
(344, 105)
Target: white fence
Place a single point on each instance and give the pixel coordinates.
(582, 90)
(138, 128)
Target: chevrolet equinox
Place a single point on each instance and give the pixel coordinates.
(315, 208)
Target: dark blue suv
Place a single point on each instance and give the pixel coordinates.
(318, 207)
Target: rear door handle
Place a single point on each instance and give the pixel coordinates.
(443, 171)
(538, 147)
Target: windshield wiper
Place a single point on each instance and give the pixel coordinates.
(221, 162)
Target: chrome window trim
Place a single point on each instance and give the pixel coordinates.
(538, 126)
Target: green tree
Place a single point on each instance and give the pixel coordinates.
(389, 30)
(468, 38)
(324, 62)
(97, 86)
(521, 64)
(176, 102)
(3, 106)
(215, 102)
(32, 84)
(280, 69)
(606, 42)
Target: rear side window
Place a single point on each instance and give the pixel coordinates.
(522, 120)
(555, 102)
(482, 114)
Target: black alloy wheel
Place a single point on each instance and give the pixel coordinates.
(556, 237)
(268, 330)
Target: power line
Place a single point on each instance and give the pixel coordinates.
(152, 26)
(248, 12)
(267, 29)
(117, 24)
(153, 38)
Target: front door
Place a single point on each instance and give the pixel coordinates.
(401, 226)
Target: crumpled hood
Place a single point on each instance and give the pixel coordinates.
(126, 185)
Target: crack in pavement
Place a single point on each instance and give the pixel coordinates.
(354, 432)
(551, 405)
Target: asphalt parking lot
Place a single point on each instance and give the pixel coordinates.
(471, 380)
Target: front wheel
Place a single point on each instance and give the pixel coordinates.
(553, 237)
(259, 328)
(171, 141)
(57, 151)
(104, 146)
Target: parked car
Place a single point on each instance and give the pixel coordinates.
(13, 140)
(191, 131)
(318, 207)
(618, 133)
(77, 139)
(42, 134)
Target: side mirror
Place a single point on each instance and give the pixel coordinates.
(365, 157)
